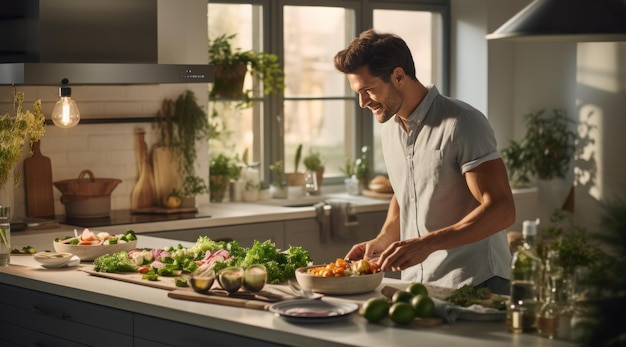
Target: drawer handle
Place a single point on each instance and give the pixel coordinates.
(46, 313)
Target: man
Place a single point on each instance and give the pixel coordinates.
(452, 198)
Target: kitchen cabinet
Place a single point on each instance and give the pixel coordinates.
(151, 331)
(31, 318)
(306, 233)
(245, 234)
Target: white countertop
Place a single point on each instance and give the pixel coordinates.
(355, 331)
(232, 213)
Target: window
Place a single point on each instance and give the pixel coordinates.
(318, 109)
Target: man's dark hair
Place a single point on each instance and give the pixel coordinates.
(381, 52)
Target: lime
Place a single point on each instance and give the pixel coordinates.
(423, 305)
(401, 296)
(417, 289)
(375, 309)
(401, 313)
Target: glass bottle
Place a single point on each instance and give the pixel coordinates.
(547, 318)
(526, 268)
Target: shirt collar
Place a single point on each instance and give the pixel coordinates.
(418, 115)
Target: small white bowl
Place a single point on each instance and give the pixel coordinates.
(52, 259)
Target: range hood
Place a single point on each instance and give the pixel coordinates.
(87, 42)
(566, 20)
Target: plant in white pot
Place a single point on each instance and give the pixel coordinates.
(544, 154)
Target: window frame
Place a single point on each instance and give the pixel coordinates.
(269, 145)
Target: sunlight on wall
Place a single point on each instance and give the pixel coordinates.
(598, 66)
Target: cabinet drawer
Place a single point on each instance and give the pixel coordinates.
(17, 336)
(73, 320)
(172, 333)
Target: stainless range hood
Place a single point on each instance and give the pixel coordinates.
(87, 42)
(566, 20)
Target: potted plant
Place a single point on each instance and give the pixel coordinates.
(264, 191)
(232, 64)
(221, 170)
(15, 130)
(279, 182)
(183, 123)
(296, 178)
(357, 173)
(313, 163)
(546, 150)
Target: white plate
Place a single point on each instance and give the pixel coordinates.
(313, 311)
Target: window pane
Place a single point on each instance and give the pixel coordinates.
(318, 125)
(422, 36)
(309, 73)
(310, 48)
(235, 125)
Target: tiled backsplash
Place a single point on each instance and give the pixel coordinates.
(108, 150)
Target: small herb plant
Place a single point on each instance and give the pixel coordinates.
(278, 174)
(15, 131)
(313, 161)
(359, 167)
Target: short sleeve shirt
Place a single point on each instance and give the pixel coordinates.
(426, 167)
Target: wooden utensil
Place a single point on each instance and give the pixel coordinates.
(165, 161)
(143, 194)
(219, 300)
(38, 184)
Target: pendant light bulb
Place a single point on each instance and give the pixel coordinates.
(65, 113)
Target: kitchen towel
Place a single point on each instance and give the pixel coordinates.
(341, 224)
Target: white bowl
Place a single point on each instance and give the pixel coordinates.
(91, 252)
(338, 285)
(52, 259)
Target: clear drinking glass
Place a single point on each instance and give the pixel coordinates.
(5, 236)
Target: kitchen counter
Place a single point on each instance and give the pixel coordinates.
(261, 326)
(232, 213)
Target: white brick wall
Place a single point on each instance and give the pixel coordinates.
(108, 150)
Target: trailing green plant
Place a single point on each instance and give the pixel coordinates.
(313, 161)
(188, 124)
(546, 149)
(265, 66)
(15, 131)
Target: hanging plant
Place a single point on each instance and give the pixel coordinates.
(188, 124)
(232, 64)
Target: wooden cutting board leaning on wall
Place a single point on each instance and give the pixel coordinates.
(38, 185)
(143, 194)
(164, 159)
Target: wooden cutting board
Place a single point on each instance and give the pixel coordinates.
(164, 160)
(271, 293)
(143, 194)
(38, 185)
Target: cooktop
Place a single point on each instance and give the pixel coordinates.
(120, 217)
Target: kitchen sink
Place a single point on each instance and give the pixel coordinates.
(304, 201)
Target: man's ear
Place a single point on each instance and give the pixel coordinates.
(398, 76)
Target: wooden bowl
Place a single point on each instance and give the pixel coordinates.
(338, 285)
